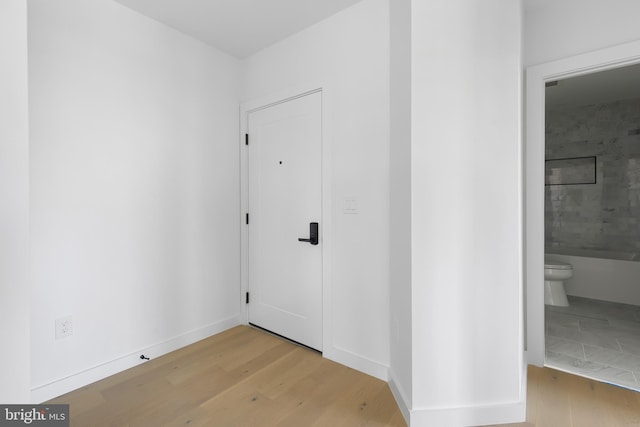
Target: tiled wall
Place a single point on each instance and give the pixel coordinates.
(606, 215)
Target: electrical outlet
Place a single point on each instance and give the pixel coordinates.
(64, 327)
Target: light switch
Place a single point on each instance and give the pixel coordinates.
(350, 206)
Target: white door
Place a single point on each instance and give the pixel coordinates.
(285, 198)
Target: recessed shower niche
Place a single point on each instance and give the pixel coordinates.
(570, 171)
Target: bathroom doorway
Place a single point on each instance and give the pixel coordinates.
(592, 207)
(578, 219)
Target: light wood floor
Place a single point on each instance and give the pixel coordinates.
(241, 377)
(558, 399)
(246, 377)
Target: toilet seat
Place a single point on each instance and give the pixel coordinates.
(557, 265)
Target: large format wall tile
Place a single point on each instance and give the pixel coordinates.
(605, 215)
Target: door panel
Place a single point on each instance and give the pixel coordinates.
(285, 190)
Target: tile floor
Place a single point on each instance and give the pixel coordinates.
(596, 339)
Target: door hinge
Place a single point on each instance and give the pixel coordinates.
(246, 139)
(246, 300)
(247, 219)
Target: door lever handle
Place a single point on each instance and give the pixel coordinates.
(313, 234)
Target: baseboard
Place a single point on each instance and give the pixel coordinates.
(357, 362)
(502, 413)
(470, 416)
(401, 397)
(65, 385)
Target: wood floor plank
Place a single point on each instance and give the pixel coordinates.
(286, 372)
(351, 409)
(553, 402)
(311, 396)
(583, 411)
(615, 405)
(557, 398)
(383, 408)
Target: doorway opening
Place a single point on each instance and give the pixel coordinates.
(575, 217)
(592, 208)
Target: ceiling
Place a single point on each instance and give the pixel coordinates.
(244, 27)
(238, 27)
(596, 88)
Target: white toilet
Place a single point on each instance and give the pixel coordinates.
(555, 273)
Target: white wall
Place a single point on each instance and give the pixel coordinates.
(14, 204)
(558, 29)
(348, 56)
(134, 190)
(467, 213)
(400, 204)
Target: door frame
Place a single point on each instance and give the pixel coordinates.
(536, 77)
(245, 109)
